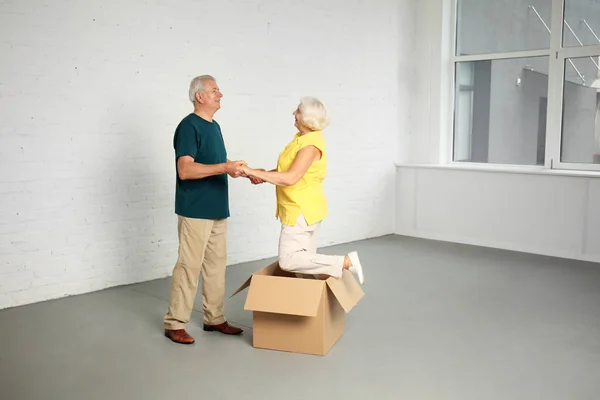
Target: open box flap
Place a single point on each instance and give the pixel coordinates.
(244, 286)
(268, 270)
(281, 295)
(346, 290)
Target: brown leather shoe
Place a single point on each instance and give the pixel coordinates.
(224, 328)
(179, 336)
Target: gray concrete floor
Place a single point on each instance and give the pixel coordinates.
(439, 321)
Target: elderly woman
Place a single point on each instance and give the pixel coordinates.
(301, 203)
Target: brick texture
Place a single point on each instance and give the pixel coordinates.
(91, 93)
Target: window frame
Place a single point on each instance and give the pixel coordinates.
(557, 57)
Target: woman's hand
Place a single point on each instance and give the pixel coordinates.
(301, 164)
(248, 172)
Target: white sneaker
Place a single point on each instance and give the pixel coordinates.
(356, 267)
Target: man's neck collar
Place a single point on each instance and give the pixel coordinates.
(204, 115)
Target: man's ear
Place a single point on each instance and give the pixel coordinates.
(198, 97)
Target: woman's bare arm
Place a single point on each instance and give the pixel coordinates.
(301, 164)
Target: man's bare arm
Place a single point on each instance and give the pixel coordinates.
(188, 169)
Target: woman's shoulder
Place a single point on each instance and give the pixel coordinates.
(314, 138)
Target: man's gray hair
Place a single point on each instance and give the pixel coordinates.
(197, 86)
(313, 113)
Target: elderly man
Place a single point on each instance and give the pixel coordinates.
(202, 208)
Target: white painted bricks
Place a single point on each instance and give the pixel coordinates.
(91, 92)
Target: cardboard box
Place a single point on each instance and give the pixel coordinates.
(298, 315)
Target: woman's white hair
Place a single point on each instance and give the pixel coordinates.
(197, 86)
(313, 113)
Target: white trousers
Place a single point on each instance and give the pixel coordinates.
(298, 251)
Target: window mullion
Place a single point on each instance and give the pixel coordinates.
(448, 156)
(503, 55)
(556, 72)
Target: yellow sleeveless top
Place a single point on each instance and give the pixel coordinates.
(307, 195)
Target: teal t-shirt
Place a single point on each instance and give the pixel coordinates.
(205, 198)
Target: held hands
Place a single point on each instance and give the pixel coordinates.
(248, 172)
(239, 168)
(235, 168)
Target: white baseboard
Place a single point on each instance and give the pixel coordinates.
(502, 246)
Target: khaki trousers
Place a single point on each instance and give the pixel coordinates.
(202, 249)
(298, 251)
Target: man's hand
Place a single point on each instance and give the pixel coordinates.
(255, 180)
(235, 168)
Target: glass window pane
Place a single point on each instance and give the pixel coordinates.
(491, 26)
(582, 23)
(581, 111)
(501, 118)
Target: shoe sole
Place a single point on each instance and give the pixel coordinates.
(359, 270)
(224, 333)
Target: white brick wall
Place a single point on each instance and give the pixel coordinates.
(91, 92)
